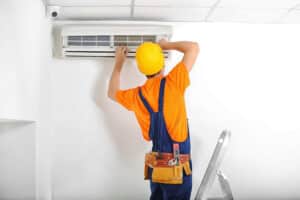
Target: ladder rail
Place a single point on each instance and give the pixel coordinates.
(213, 167)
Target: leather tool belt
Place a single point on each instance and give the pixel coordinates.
(166, 169)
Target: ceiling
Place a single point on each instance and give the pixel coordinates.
(248, 11)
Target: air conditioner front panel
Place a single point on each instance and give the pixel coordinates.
(102, 41)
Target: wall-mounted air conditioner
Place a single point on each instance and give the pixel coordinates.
(102, 40)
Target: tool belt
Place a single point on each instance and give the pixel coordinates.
(166, 169)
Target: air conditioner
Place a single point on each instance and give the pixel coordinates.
(102, 40)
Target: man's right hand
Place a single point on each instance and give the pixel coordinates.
(163, 43)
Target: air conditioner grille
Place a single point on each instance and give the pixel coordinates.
(132, 40)
(107, 40)
(89, 40)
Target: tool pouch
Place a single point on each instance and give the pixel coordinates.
(163, 173)
(168, 175)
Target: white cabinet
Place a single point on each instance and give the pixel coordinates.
(18, 160)
(19, 63)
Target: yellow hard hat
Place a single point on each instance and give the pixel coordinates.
(149, 58)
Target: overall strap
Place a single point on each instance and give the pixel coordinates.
(161, 95)
(145, 102)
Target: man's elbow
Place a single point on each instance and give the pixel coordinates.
(111, 95)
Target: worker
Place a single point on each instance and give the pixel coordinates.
(159, 107)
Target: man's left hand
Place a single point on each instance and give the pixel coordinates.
(121, 54)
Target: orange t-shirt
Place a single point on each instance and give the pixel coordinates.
(174, 105)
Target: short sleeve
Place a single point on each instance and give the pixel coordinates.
(127, 98)
(179, 75)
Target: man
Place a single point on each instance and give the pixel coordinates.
(160, 110)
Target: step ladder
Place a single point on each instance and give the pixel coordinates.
(213, 171)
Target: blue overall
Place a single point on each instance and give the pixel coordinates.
(162, 142)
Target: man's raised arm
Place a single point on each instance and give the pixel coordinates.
(189, 49)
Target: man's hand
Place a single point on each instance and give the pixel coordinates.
(121, 54)
(163, 43)
(114, 83)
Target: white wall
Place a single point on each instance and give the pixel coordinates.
(245, 80)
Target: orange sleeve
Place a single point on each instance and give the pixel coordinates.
(180, 76)
(127, 98)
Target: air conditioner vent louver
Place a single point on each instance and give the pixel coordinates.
(106, 40)
(101, 41)
(132, 40)
(89, 40)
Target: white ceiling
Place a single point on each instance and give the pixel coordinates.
(249, 11)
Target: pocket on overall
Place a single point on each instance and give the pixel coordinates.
(168, 175)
